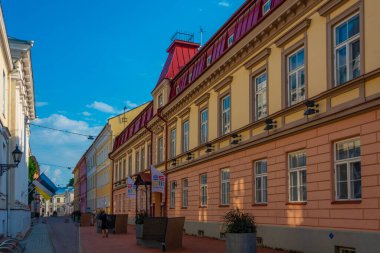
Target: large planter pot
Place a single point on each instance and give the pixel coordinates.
(242, 242)
(139, 231)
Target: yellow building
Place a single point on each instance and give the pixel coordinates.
(278, 114)
(102, 147)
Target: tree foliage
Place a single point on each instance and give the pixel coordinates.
(71, 182)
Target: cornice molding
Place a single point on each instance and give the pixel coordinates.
(202, 99)
(298, 29)
(263, 55)
(184, 113)
(330, 6)
(281, 18)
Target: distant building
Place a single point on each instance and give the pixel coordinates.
(68, 206)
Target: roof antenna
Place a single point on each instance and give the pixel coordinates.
(201, 31)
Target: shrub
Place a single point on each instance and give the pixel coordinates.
(239, 222)
(140, 217)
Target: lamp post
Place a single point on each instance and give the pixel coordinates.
(16, 154)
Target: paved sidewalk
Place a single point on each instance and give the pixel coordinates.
(91, 242)
(38, 240)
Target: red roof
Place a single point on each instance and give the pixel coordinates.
(180, 53)
(138, 123)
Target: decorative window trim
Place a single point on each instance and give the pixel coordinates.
(330, 6)
(187, 120)
(220, 112)
(228, 197)
(202, 99)
(202, 109)
(201, 185)
(263, 55)
(225, 82)
(293, 32)
(296, 170)
(255, 175)
(184, 113)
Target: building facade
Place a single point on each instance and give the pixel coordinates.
(17, 107)
(278, 115)
(82, 184)
(76, 188)
(68, 206)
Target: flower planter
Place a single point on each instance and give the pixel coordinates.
(241, 242)
(139, 231)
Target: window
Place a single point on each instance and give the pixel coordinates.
(296, 77)
(137, 163)
(230, 40)
(58, 200)
(160, 101)
(203, 190)
(297, 176)
(124, 168)
(185, 143)
(173, 138)
(261, 109)
(185, 192)
(226, 114)
(173, 185)
(345, 250)
(130, 165)
(348, 170)
(261, 181)
(208, 60)
(142, 159)
(225, 187)
(160, 150)
(204, 126)
(190, 76)
(149, 156)
(266, 7)
(347, 50)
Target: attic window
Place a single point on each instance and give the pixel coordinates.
(190, 76)
(266, 7)
(230, 40)
(209, 60)
(160, 101)
(177, 90)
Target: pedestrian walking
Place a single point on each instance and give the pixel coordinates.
(103, 218)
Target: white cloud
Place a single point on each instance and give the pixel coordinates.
(130, 104)
(86, 114)
(41, 104)
(224, 4)
(59, 148)
(103, 107)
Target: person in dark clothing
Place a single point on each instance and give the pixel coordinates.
(103, 218)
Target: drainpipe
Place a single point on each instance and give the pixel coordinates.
(150, 162)
(166, 161)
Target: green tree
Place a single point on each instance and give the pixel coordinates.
(32, 170)
(71, 182)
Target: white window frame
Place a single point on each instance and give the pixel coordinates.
(142, 163)
(266, 7)
(203, 189)
(347, 43)
(230, 40)
(208, 60)
(225, 115)
(185, 192)
(261, 93)
(137, 161)
(160, 100)
(346, 161)
(190, 76)
(261, 176)
(204, 126)
(160, 149)
(297, 72)
(298, 170)
(173, 141)
(172, 194)
(225, 186)
(185, 135)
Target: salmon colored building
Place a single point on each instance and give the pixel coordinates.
(278, 114)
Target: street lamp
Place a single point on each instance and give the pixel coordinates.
(16, 154)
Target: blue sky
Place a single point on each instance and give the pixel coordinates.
(92, 58)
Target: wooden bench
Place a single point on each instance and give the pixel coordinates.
(162, 232)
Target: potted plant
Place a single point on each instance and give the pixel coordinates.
(140, 223)
(240, 232)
